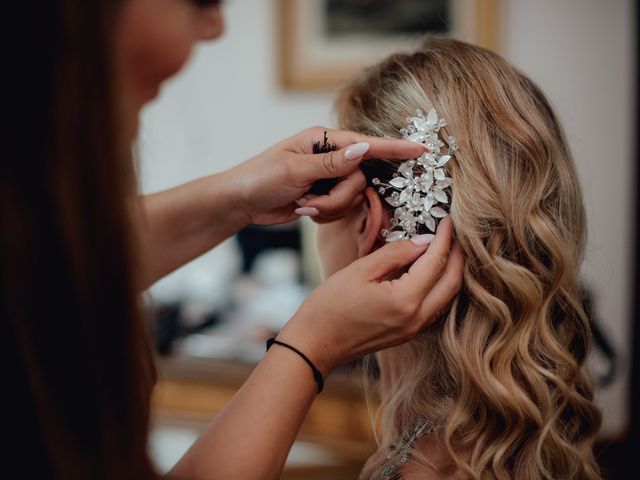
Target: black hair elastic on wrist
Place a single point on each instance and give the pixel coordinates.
(317, 375)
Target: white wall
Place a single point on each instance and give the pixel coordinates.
(226, 106)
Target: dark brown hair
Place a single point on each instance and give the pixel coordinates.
(73, 341)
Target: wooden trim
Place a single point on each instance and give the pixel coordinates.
(295, 76)
(333, 418)
(194, 390)
(489, 24)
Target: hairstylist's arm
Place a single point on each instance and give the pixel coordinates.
(352, 313)
(179, 224)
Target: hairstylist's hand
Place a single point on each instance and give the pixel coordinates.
(272, 184)
(356, 311)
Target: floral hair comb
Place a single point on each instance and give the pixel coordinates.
(420, 186)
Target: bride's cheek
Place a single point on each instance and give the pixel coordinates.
(324, 250)
(333, 247)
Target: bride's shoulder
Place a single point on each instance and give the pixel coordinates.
(426, 463)
(371, 465)
(415, 470)
(429, 462)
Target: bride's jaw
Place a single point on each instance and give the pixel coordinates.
(337, 246)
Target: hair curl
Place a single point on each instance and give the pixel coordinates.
(504, 369)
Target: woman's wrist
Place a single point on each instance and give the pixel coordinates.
(228, 190)
(317, 374)
(297, 364)
(320, 351)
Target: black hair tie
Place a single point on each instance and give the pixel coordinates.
(317, 375)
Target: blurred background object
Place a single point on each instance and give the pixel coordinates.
(323, 42)
(282, 58)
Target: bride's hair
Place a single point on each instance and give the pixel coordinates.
(503, 370)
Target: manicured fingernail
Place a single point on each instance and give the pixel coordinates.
(307, 211)
(446, 219)
(424, 239)
(417, 143)
(356, 150)
(302, 201)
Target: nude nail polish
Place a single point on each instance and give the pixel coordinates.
(307, 211)
(356, 150)
(424, 239)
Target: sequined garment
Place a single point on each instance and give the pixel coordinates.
(399, 454)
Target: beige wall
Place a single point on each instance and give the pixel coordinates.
(580, 52)
(227, 106)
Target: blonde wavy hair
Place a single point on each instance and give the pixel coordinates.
(503, 370)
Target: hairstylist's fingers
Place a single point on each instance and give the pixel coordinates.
(308, 168)
(388, 148)
(426, 270)
(340, 198)
(445, 289)
(390, 258)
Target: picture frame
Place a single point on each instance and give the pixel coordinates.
(324, 42)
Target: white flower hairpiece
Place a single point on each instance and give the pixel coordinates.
(421, 184)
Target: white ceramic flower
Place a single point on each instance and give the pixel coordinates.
(420, 185)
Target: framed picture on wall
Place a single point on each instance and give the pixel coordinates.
(323, 42)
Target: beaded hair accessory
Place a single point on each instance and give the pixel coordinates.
(420, 186)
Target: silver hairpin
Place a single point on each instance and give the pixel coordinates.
(420, 186)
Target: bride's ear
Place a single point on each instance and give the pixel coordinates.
(370, 222)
